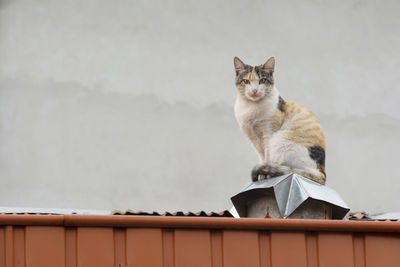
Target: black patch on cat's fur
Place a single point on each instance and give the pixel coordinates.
(267, 75)
(257, 69)
(317, 153)
(281, 104)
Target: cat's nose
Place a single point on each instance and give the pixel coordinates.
(254, 91)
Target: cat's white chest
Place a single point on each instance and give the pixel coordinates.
(248, 117)
(253, 118)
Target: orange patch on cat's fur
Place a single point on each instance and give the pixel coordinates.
(322, 169)
(305, 128)
(320, 180)
(250, 75)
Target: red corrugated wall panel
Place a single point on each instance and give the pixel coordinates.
(216, 248)
(241, 248)
(330, 245)
(144, 247)
(192, 248)
(382, 250)
(288, 249)
(102, 245)
(70, 247)
(264, 238)
(45, 246)
(19, 246)
(95, 246)
(2, 246)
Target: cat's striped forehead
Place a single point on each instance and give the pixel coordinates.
(253, 73)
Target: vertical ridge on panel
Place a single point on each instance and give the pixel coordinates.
(44, 246)
(335, 249)
(288, 249)
(95, 246)
(9, 251)
(358, 250)
(19, 246)
(382, 249)
(240, 248)
(144, 247)
(264, 239)
(119, 247)
(312, 249)
(2, 246)
(192, 248)
(168, 248)
(216, 249)
(70, 247)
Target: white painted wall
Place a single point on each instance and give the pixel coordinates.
(129, 104)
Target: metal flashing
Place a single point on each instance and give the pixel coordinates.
(290, 192)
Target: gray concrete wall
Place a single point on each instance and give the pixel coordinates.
(129, 104)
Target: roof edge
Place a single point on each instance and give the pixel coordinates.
(199, 223)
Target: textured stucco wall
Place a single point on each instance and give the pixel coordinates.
(129, 104)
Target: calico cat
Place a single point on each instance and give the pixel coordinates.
(287, 136)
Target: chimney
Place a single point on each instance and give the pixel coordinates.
(289, 196)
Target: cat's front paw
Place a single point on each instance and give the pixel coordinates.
(256, 173)
(265, 171)
(275, 170)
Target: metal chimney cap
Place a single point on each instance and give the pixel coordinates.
(290, 191)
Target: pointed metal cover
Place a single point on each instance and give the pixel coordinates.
(290, 190)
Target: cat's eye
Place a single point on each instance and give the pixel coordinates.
(261, 81)
(245, 81)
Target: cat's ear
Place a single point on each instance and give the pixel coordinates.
(270, 64)
(239, 65)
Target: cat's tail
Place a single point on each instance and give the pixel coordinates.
(314, 175)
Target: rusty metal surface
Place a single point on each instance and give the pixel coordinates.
(363, 216)
(391, 216)
(54, 211)
(149, 245)
(224, 213)
(291, 192)
(29, 210)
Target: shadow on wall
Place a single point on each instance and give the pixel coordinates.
(63, 145)
(5, 3)
(88, 148)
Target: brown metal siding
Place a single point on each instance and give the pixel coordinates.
(160, 245)
(144, 247)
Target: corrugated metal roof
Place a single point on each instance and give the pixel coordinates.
(224, 213)
(391, 216)
(49, 211)
(386, 216)
(28, 210)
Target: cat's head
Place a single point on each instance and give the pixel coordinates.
(254, 82)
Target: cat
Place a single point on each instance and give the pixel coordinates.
(287, 136)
